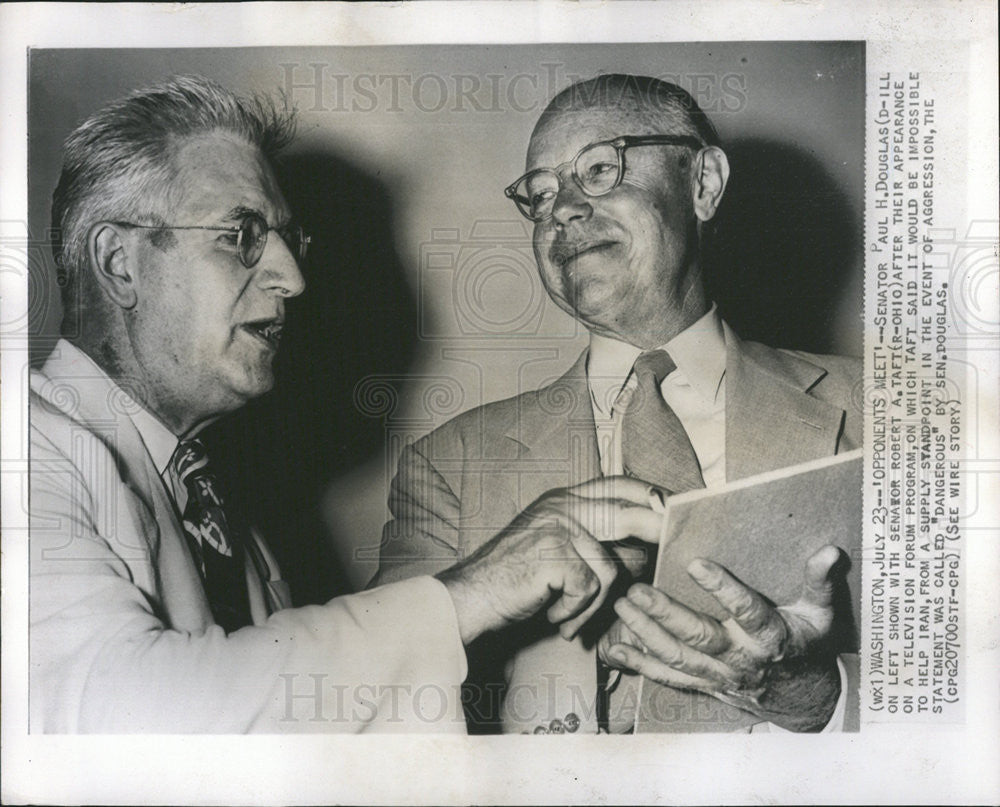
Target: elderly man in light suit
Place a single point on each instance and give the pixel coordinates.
(153, 607)
(622, 174)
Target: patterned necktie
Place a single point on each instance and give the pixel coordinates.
(212, 538)
(655, 447)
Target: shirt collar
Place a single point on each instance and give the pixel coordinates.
(698, 351)
(161, 443)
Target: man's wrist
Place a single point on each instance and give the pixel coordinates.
(802, 694)
(468, 607)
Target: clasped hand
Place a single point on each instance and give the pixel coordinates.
(771, 661)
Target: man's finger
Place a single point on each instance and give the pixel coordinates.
(671, 651)
(697, 630)
(620, 633)
(625, 488)
(818, 587)
(626, 656)
(604, 573)
(749, 609)
(635, 558)
(615, 520)
(578, 586)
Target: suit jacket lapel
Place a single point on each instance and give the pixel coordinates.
(771, 420)
(85, 393)
(555, 429)
(541, 440)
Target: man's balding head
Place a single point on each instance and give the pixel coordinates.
(663, 107)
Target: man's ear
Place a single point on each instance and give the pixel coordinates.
(108, 254)
(711, 175)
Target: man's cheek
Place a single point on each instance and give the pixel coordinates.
(637, 256)
(540, 246)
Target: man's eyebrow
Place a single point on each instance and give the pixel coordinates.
(238, 213)
(241, 211)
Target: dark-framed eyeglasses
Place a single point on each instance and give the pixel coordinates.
(598, 168)
(251, 236)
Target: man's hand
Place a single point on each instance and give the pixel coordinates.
(771, 661)
(551, 555)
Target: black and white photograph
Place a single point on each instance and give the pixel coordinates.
(624, 388)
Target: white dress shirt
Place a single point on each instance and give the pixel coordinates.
(696, 391)
(161, 443)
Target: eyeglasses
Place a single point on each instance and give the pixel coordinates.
(598, 168)
(251, 236)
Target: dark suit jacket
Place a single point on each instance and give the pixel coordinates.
(465, 481)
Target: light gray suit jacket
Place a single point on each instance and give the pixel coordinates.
(465, 481)
(121, 634)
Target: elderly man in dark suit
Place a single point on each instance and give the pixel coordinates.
(622, 174)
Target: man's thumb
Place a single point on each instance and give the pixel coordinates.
(818, 588)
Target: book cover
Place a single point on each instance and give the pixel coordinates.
(762, 529)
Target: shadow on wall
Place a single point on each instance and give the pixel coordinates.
(787, 243)
(357, 317)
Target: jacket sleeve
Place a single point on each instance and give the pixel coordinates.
(103, 657)
(422, 537)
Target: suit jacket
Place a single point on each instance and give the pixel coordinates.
(461, 484)
(121, 634)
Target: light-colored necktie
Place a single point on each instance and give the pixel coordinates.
(655, 447)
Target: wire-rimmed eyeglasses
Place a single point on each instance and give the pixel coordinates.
(598, 168)
(251, 236)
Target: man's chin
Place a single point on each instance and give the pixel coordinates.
(261, 385)
(252, 383)
(591, 297)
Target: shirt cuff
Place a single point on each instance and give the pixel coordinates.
(452, 628)
(833, 726)
(417, 613)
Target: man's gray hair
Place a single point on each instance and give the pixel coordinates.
(117, 164)
(671, 106)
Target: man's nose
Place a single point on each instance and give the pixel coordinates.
(571, 203)
(278, 271)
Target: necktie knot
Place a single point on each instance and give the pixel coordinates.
(656, 363)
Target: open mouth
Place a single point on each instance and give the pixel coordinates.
(268, 331)
(562, 254)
